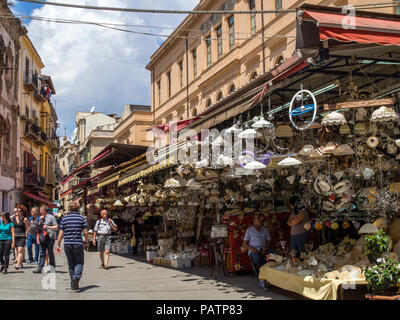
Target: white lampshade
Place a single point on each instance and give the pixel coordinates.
(245, 158)
(289, 161)
(202, 163)
(118, 203)
(218, 142)
(223, 160)
(255, 165)
(262, 123)
(249, 133)
(234, 128)
(130, 204)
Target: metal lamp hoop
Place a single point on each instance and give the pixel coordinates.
(291, 110)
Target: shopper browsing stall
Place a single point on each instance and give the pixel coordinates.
(103, 229)
(297, 219)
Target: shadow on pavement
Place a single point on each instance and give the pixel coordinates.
(114, 267)
(83, 289)
(243, 284)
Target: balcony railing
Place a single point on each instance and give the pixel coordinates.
(32, 179)
(32, 132)
(51, 179)
(31, 82)
(40, 96)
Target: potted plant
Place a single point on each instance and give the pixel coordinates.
(377, 244)
(382, 279)
(383, 274)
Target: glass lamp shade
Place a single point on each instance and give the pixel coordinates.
(249, 133)
(233, 129)
(289, 161)
(218, 142)
(262, 123)
(118, 203)
(255, 165)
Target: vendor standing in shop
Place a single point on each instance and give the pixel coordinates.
(297, 219)
(257, 240)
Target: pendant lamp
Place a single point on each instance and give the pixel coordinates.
(249, 133)
(289, 161)
(255, 165)
(118, 203)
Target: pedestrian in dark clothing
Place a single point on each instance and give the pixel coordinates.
(32, 235)
(71, 228)
(47, 229)
(136, 232)
(21, 227)
(7, 240)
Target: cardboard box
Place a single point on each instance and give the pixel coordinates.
(157, 261)
(166, 262)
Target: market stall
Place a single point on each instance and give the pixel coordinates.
(324, 128)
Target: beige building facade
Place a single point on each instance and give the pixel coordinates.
(133, 125)
(208, 57)
(10, 175)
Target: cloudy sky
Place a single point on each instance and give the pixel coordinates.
(93, 66)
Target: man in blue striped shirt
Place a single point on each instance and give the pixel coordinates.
(71, 228)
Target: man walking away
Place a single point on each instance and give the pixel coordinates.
(103, 229)
(32, 235)
(71, 228)
(47, 229)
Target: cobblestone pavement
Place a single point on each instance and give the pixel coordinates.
(130, 278)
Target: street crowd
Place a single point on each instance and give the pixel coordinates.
(40, 231)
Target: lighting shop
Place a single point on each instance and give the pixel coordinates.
(322, 126)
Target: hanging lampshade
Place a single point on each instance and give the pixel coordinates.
(249, 133)
(233, 129)
(255, 165)
(218, 142)
(289, 161)
(118, 203)
(262, 123)
(223, 160)
(130, 204)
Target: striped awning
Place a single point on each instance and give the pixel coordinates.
(145, 172)
(92, 191)
(108, 180)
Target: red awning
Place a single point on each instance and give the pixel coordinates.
(283, 75)
(179, 125)
(69, 191)
(84, 166)
(365, 31)
(37, 198)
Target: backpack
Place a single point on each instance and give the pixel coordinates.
(43, 235)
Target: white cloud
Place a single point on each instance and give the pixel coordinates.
(91, 65)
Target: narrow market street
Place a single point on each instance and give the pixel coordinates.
(129, 279)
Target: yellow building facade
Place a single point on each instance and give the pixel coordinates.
(38, 118)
